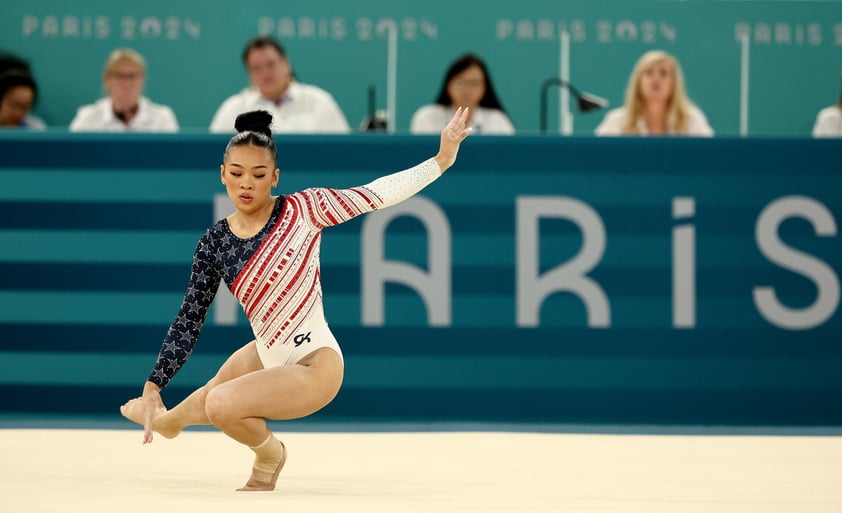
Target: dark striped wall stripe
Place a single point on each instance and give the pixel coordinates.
(176, 247)
(762, 157)
(463, 219)
(104, 216)
(773, 407)
(454, 341)
(559, 310)
(345, 279)
(476, 371)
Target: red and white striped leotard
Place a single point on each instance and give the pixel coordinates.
(275, 274)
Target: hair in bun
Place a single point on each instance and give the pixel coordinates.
(255, 121)
(253, 129)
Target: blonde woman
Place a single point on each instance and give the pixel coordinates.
(656, 102)
(124, 109)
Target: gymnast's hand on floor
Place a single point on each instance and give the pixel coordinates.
(152, 406)
(145, 409)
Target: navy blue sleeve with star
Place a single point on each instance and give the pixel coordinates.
(204, 281)
(219, 255)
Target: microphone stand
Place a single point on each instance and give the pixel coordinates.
(377, 120)
(585, 101)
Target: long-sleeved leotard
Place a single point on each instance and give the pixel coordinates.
(275, 274)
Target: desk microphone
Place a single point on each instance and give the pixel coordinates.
(377, 119)
(585, 101)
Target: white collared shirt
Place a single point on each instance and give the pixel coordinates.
(31, 122)
(303, 109)
(612, 124)
(828, 122)
(99, 117)
(431, 119)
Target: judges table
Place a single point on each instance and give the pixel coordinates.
(582, 280)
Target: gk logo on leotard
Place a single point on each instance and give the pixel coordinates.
(301, 338)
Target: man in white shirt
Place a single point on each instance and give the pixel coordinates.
(295, 107)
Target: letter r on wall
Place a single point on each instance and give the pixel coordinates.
(532, 288)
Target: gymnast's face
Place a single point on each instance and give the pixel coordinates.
(249, 174)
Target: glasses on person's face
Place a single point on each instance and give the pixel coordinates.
(126, 75)
(462, 82)
(16, 106)
(267, 66)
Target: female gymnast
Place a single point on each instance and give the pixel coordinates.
(267, 252)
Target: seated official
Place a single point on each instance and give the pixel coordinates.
(295, 107)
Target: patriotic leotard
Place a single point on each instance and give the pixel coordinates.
(275, 274)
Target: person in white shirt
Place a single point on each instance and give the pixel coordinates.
(829, 121)
(466, 84)
(125, 109)
(295, 107)
(656, 102)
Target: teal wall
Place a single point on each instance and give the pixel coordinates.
(193, 49)
(662, 322)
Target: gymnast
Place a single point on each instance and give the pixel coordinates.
(267, 252)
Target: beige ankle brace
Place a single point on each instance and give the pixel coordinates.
(268, 456)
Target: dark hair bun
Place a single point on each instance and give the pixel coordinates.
(255, 121)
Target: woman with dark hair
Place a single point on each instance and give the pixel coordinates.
(267, 253)
(18, 92)
(466, 84)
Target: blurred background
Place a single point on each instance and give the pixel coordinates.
(193, 51)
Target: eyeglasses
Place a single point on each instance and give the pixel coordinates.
(125, 76)
(468, 83)
(16, 106)
(270, 66)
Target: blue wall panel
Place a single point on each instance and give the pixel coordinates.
(98, 231)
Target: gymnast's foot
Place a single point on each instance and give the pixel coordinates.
(133, 410)
(267, 466)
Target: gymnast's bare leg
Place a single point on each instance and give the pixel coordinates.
(243, 394)
(191, 411)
